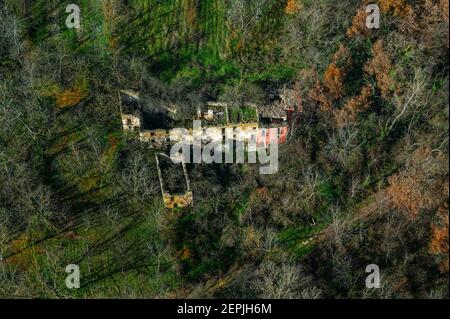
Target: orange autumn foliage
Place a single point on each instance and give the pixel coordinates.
(70, 97)
(342, 57)
(406, 194)
(332, 85)
(439, 244)
(24, 252)
(399, 8)
(261, 194)
(381, 67)
(332, 80)
(435, 22)
(74, 95)
(318, 94)
(358, 26)
(354, 106)
(411, 193)
(336, 72)
(293, 6)
(416, 188)
(185, 253)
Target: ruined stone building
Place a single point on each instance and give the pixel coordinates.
(160, 127)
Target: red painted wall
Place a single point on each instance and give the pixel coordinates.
(266, 135)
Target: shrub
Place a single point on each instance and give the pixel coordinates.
(415, 189)
(381, 67)
(358, 26)
(332, 86)
(74, 95)
(293, 6)
(439, 238)
(353, 107)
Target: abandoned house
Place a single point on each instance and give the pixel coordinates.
(161, 124)
(151, 120)
(130, 110)
(274, 113)
(274, 122)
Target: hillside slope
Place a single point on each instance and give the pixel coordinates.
(363, 179)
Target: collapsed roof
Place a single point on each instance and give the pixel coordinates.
(275, 110)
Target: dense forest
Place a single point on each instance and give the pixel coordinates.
(362, 180)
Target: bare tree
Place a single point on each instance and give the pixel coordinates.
(284, 280)
(244, 14)
(11, 44)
